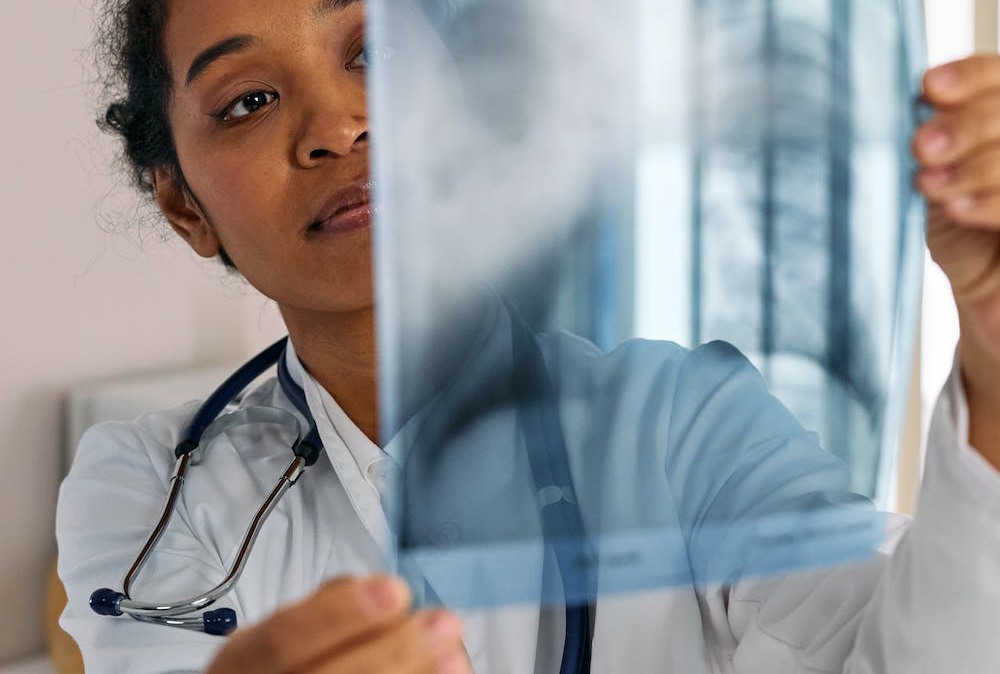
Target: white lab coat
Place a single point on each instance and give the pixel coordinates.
(929, 607)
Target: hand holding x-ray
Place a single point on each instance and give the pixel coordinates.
(958, 156)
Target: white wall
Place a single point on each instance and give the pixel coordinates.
(76, 302)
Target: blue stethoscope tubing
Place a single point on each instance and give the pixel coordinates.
(561, 518)
(306, 452)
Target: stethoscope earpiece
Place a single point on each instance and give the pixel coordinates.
(106, 602)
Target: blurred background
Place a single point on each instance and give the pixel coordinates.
(93, 290)
(104, 310)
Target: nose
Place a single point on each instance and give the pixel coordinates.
(335, 125)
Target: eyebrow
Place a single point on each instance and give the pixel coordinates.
(239, 43)
(324, 8)
(226, 47)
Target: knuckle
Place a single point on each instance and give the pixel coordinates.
(980, 172)
(977, 124)
(979, 62)
(975, 68)
(985, 113)
(990, 127)
(409, 648)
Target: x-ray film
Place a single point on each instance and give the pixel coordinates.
(646, 275)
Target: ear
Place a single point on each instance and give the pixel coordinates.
(184, 213)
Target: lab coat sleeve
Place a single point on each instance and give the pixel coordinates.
(926, 606)
(107, 507)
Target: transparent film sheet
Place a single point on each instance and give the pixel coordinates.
(647, 274)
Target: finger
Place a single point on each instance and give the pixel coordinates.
(338, 613)
(426, 643)
(961, 81)
(968, 257)
(975, 174)
(954, 134)
(980, 211)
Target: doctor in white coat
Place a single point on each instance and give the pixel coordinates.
(247, 121)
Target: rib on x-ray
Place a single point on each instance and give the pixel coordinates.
(646, 277)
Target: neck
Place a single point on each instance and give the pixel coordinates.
(338, 350)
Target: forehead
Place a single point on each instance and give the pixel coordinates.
(193, 25)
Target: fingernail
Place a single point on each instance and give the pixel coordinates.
(942, 79)
(936, 141)
(442, 628)
(381, 595)
(962, 204)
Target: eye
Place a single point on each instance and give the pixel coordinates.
(367, 56)
(248, 104)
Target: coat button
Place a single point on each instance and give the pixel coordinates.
(448, 533)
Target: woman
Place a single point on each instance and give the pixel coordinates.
(254, 142)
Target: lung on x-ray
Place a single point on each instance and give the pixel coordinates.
(646, 280)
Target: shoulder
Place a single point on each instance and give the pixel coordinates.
(647, 367)
(115, 450)
(121, 472)
(689, 406)
(665, 398)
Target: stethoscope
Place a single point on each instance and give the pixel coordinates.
(561, 517)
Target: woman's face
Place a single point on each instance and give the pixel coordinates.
(270, 123)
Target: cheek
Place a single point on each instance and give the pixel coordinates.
(235, 173)
(245, 194)
(242, 190)
(257, 208)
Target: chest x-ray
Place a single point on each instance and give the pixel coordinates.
(647, 276)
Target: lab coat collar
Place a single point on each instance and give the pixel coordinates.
(343, 423)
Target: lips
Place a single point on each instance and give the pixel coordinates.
(348, 209)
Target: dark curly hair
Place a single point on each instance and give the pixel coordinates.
(137, 78)
(138, 82)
